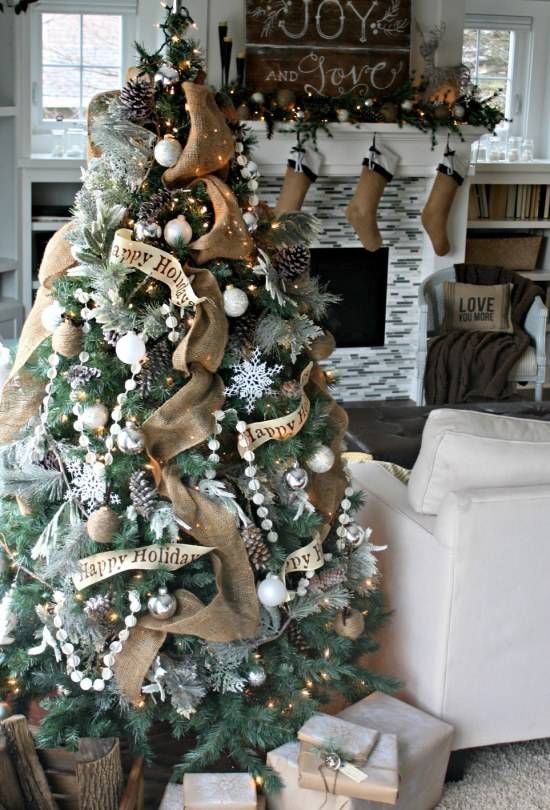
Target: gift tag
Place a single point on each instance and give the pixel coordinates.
(353, 773)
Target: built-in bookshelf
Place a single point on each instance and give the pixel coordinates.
(515, 201)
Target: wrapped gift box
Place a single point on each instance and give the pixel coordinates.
(210, 791)
(382, 776)
(424, 746)
(284, 760)
(352, 740)
(173, 799)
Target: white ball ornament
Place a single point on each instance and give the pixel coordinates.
(52, 316)
(130, 348)
(342, 115)
(95, 416)
(271, 591)
(407, 105)
(235, 302)
(252, 168)
(322, 460)
(178, 230)
(250, 220)
(459, 111)
(167, 151)
(257, 97)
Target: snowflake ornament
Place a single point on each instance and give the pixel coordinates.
(252, 379)
(88, 483)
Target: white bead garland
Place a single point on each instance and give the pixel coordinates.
(254, 485)
(214, 443)
(249, 172)
(344, 518)
(72, 658)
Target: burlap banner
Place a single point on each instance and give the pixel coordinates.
(308, 558)
(153, 262)
(108, 563)
(283, 427)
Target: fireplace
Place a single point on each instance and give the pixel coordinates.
(380, 364)
(360, 279)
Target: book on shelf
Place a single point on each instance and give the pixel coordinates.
(516, 201)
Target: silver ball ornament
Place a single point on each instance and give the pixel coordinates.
(459, 111)
(332, 761)
(162, 605)
(322, 460)
(5, 710)
(369, 102)
(130, 440)
(342, 115)
(130, 348)
(166, 75)
(296, 478)
(256, 676)
(257, 97)
(250, 220)
(95, 416)
(167, 151)
(147, 230)
(235, 302)
(178, 230)
(271, 592)
(252, 168)
(355, 535)
(407, 105)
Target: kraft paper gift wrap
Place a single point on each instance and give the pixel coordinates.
(424, 745)
(381, 768)
(284, 760)
(351, 740)
(210, 791)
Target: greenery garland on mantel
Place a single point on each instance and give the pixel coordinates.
(307, 115)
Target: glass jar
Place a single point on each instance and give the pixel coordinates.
(75, 142)
(514, 149)
(527, 150)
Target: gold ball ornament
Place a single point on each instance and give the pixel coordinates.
(67, 339)
(349, 623)
(389, 112)
(102, 525)
(285, 97)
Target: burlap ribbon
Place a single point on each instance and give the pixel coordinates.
(22, 394)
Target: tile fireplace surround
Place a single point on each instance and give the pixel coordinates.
(385, 372)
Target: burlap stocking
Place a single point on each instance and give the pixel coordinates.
(302, 170)
(210, 144)
(378, 169)
(449, 177)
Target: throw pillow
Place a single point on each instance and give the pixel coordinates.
(470, 450)
(477, 307)
(399, 472)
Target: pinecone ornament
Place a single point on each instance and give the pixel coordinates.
(50, 461)
(327, 579)
(243, 332)
(97, 606)
(79, 376)
(296, 637)
(151, 209)
(291, 262)
(157, 364)
(258, 552)
(136, 101)
(111, 336)
(143, 493)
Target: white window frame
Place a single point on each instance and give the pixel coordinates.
(519, 69)
(126, 9)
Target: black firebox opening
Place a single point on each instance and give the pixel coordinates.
(360, 278)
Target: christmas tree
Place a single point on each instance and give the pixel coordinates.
(178, 540)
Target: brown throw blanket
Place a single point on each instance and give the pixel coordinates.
(464, 366)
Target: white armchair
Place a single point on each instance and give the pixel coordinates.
(468, 586)
(531, 368)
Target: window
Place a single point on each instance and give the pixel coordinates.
(81, 56)
(78, 49)
(496, 49)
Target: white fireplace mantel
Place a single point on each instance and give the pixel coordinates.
(343, 153)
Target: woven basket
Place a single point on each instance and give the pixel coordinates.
(512, 253)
